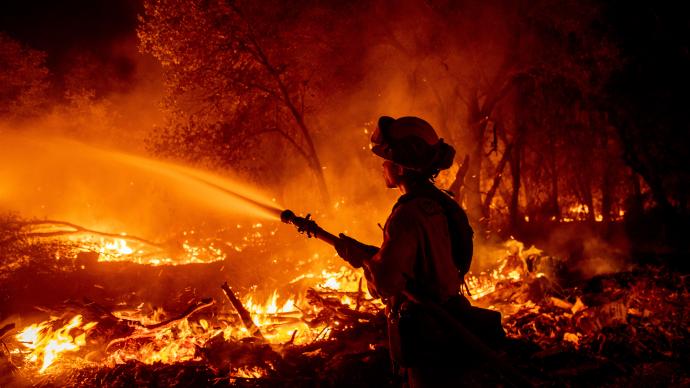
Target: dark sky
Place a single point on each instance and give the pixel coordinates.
(104, 31)
(63, 26)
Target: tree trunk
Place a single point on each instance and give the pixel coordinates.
(486, 207)
(631, 158)
(473, 181)
(554, 207)
(457, 187)
(313, 161)
(606, 197)
(588, 199)
(515, 172)
(312, 156)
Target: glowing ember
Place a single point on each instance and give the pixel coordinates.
(249, 373)
(47, 344)
(281, 318)
(177, 343)
(118, 246)
(509, 268)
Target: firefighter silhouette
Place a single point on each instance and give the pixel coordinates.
(426, 251)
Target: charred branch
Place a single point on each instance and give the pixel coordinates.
(76, 229)
(244, 314)
(152, 329)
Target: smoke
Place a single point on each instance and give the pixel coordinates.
(388, 58)
(399, 60)
(403, 59)
(584, 253)
(84, 158)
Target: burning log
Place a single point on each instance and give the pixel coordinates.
(246, 318)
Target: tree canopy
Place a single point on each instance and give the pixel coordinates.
(535, 91)
(23, 79)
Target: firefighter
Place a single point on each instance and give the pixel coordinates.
(426, 251)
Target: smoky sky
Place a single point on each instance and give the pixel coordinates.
(63, 28)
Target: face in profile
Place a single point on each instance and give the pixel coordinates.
(391, 174)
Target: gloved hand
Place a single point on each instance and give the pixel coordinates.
(353, 251)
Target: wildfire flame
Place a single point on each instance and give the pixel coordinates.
(281, 319)
(47, 344)
(510, 268)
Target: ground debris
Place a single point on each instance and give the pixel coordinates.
(609, 329)
(628, 328)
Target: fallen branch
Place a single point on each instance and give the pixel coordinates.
(242, 312)
(335, 306)
(79, 229)
(154, 328)
(198, 306)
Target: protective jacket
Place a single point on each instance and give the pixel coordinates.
(423, 252)
(416, 254)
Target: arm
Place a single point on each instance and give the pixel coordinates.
(353, 251)
(356, 253)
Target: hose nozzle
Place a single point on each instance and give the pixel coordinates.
(307, 226)
(287, 216)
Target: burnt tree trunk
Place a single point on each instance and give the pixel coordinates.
(276, 73)
(458, 185)
(588, 198)
(555, 209)
(486, 206)
(477, 127)
(634, 161)
(515, 163)
(606, 200)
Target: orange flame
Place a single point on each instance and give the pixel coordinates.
(47, 345)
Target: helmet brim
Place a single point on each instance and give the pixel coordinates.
(383, 151)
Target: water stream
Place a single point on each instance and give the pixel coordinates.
(60, 178)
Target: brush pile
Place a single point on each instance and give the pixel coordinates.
(619, 329)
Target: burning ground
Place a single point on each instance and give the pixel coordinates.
(90, 309)
(569, 121)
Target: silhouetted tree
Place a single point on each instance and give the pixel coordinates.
(23, 79)
(235, 72)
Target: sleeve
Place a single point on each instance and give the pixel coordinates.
(392, 266)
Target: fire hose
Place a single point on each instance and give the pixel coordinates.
(308, 226)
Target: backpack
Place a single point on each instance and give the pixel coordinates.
(459, 228)
(461, 232)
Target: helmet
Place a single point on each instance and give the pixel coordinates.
(412, 143)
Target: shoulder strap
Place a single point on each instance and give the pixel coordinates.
(461, 233)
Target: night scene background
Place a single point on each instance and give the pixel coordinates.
(147, 148)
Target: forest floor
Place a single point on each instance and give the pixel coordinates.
(629, 328)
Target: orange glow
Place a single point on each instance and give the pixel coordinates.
(47, 345)
(282, 318)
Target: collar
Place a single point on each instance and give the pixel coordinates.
(426, 189)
